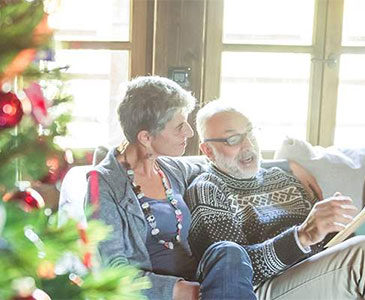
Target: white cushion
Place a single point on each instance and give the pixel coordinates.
(72, 195)
(336, 169)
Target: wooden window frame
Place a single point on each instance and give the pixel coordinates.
(326, 50)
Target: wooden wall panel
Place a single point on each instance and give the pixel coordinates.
(179, 42)
(142, 36)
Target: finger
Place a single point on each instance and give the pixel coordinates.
(340, 207)
(330, 210)
(342, 219)
(328, 228)
(337, 201)
(351, 210)
(341, 197)
(316, 190)
(335, 227)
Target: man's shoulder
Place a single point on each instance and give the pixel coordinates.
(277, 178)
(207, 179)
(276, 172)
(204, 190)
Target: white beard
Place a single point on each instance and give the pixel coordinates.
(235, 167)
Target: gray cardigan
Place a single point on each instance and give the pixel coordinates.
(119, 207)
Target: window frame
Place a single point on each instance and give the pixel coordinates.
(325, 51)
(139, 45)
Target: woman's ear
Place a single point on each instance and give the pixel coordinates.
(207, 150)
(144, 138)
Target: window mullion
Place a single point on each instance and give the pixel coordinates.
(214, 47)
(331, 73)
(316, 78)
(141, 38)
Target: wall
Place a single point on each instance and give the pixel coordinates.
(178, 41)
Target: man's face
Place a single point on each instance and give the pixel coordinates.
(241, 160)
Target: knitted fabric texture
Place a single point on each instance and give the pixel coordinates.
(259, 213)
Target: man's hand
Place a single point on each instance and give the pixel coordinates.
(329, 215)
(306, 179)
(186, 290)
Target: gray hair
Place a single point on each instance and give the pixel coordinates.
(149, 103)
(211, 109)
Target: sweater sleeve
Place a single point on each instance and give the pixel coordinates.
(116, 250)
(213, 220)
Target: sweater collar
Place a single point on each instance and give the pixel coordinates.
(237, 182)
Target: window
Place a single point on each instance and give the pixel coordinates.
(96, 39)
(285, 63)
(350, 118)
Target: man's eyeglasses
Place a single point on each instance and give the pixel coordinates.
(235, 139)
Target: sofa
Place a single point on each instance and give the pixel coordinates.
(336, 169)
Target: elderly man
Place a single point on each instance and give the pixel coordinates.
(268, 212)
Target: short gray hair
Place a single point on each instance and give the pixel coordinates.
(211, 109)
(149, 103)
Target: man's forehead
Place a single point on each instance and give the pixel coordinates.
(227, 122)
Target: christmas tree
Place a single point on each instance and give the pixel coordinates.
(35, 254)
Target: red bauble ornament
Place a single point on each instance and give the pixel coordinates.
(11, 111)
(30, 297)
(29, 199)
(25, 289)
(39, 106)
(37, 294)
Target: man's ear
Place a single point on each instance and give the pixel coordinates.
(144, 138)
(207, 150)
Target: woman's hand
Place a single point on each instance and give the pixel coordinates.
(306, 179)
(186, 290)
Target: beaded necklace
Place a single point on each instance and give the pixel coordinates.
(155, 231)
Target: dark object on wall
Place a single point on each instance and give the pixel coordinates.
(181, 75)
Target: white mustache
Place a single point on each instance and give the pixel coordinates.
(246, 155)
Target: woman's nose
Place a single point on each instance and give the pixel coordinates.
(189, 132)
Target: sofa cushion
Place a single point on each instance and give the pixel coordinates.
(336, 169)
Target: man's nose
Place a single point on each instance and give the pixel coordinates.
(246, 143)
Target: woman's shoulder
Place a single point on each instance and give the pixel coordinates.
(109, 169)
(186, 167)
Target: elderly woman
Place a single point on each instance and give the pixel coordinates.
(140, 193)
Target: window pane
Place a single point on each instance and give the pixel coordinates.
(91, 20)
(354, 23)
(280, 22)
(350, 119)
(272, 88)
(95, 89)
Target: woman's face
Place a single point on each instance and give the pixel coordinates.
(171, 141)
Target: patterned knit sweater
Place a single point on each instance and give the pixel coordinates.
(259, 213)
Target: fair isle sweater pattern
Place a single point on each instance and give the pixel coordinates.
(259, 213)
